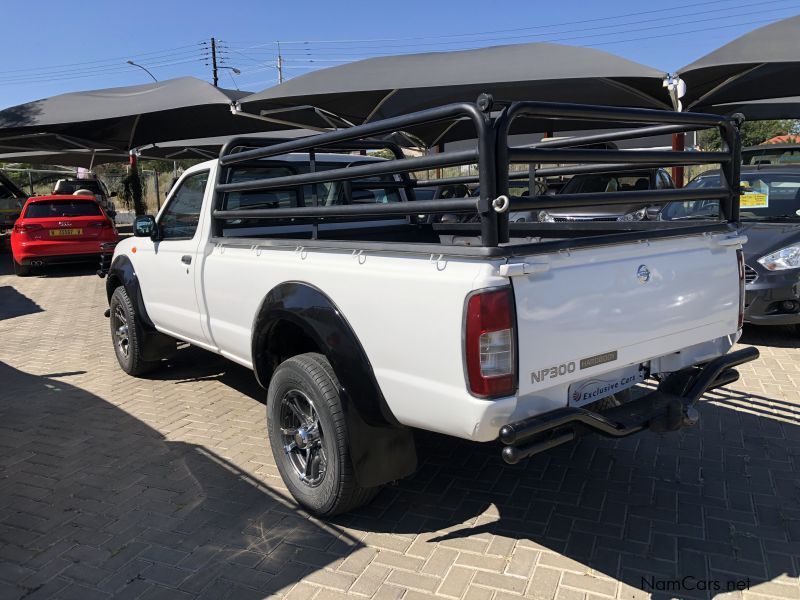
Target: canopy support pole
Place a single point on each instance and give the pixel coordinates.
(678, 145)
(240, 113)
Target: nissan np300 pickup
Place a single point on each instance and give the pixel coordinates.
(365, 319)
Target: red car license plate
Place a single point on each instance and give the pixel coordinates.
(63, 232)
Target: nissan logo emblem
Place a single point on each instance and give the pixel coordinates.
(643, 274)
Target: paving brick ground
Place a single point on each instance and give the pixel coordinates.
(164, 487)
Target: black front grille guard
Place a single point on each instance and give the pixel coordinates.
(668, 408)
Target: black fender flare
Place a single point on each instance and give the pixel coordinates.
(381, 448)
(121, 273)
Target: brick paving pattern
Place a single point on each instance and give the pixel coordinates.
(164, 487)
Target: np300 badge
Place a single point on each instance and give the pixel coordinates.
(552, 372)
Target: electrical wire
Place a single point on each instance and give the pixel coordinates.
(619, 41)
(125, 69)
(512, 30)
(693, 20)
(138, 56)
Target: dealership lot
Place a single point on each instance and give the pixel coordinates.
(165, 487)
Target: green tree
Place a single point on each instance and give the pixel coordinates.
(753, 133)
(132, 192)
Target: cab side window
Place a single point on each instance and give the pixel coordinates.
(181, 216)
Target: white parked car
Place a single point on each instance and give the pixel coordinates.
(365, 320)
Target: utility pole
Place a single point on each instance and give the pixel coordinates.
(280, 64)
(214, 61)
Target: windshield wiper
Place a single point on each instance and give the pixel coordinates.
(688, 217)
(769, 217)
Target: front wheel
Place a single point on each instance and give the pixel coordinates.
(308, 434)
(126, 334)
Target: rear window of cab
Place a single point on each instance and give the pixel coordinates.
(62, 208)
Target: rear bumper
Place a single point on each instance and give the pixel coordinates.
(62, 259)
(669, 408)
(26, 253)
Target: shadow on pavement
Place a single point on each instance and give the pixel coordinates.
(683, 514)
(16, 304)
(93, 500)
(719, 503)
(190, 364)
(52, 271)
(777, 337)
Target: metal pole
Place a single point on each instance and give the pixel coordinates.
(158, 192)
(130, 62)
(678, 145)
(30, 182)
(214, 61)
(280, 64)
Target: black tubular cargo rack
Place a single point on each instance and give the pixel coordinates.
(492, 153)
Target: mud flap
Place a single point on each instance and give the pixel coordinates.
(380, 454)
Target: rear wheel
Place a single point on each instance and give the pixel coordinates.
(308, 434)
(20, 270)
(126, 334)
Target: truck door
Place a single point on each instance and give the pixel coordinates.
(168, 268)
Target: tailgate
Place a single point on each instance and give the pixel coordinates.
(591, 311)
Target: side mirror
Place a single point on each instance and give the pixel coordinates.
(653, 212)
(145, 226)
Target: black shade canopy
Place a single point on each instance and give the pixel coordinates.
(377, 88)
(76, 158)
(754, 110)
(125, 117)
(192, 149)
(762, 64)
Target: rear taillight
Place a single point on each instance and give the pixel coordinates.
(102, 224)
(26, 227)
(489, 344)
(740, 260)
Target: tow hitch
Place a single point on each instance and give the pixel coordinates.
(669, 408)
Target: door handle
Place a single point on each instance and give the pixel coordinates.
(186, 259)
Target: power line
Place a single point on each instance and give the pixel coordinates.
(716, 17)
(620, 41)
(120, 66)
(125, 68)
(138, 56)
(512, 30)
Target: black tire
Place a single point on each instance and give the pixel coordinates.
(308, 382)
(128, 344)
(19, 269)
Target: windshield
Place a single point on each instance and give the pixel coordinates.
(62, 208)
(609, 182)
(764, 196)
(70, 186)
(772, 156)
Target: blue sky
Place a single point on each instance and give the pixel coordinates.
(67, 47)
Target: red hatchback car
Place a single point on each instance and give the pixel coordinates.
(54, 229)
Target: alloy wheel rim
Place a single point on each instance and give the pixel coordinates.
(120, 328)
(302, 437)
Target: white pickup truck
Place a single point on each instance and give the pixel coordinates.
(365, 316)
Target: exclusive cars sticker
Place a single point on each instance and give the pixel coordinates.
(597, 388)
